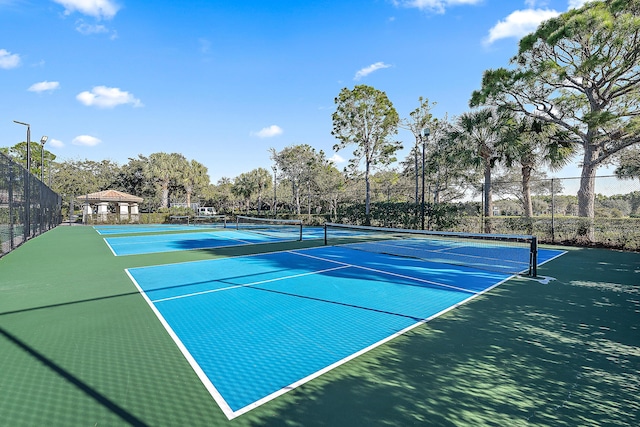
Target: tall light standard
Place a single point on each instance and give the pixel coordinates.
(275, 187)
(425, 135)
(28, 143)
(43, 141)
(27, 186)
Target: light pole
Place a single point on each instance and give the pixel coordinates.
(275, 186)
(28, 143)
(43, 141)
(27, 186)
(425, 135)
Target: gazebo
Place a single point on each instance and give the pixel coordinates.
(127, 204)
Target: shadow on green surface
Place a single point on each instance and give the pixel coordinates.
(75, 351)
(101, 399)
(560, 354)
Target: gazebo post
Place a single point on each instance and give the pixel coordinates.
(123, 207)
(103, 211)
(134, 212)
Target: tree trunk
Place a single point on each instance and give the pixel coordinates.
(587, 191)
(416, 170)
(165, 194)
(309, 199)
(488, 199)
(526, 191)
(296, 196)
(367, 207)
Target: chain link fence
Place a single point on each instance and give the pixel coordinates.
(554, 218)
(27, 206)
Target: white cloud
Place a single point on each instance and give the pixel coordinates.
(56, 143)
(437, 6)
(576, 4)
(269, 132)
(8, 60)
(86, 140)
(87, 29)
(370, 69)
(519, 23)
(99, 9)
(336, 159)
(44, 86)
(107, 97)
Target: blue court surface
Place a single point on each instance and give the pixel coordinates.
(146, 244)
(255, 327)
(149, 228)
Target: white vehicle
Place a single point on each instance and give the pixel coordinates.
(206, 211)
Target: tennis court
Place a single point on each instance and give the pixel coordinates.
(170, 242)
(81, 345)
(138, 229)
(287, 317)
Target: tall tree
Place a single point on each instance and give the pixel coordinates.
(76, 177)
(221, 195)
(296, 164)
(580, 71)
(330, 184)
(245, 186)
(262, 178)
(483, 133)
(166, 169)
(417, 123)
(537, 144)
(366, 118)
(19, 154)
(133, 177)
(194, 178)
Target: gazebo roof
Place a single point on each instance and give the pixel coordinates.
(109, 196)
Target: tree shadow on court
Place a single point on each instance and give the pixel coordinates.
(564, 353)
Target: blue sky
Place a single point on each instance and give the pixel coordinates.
(223, 81)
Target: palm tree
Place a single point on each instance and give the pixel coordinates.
(164, 169)
(194, 177)
(244, 186)
(262, 179)
(537, 143)
(483, 134)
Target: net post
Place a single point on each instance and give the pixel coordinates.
(325, 234)
(300, 239)
(533, 264)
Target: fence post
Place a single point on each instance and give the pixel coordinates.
(553, 211)
(11, 214)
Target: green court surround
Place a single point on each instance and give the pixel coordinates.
(80, 347)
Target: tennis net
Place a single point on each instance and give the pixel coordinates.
(504, 253)
(208, 220)
(280, 228)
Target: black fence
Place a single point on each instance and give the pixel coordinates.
(554, 217)
(28, 207)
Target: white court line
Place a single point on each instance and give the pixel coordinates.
(260, 282)
(213, 391)
(416, 279)
(124, 245)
